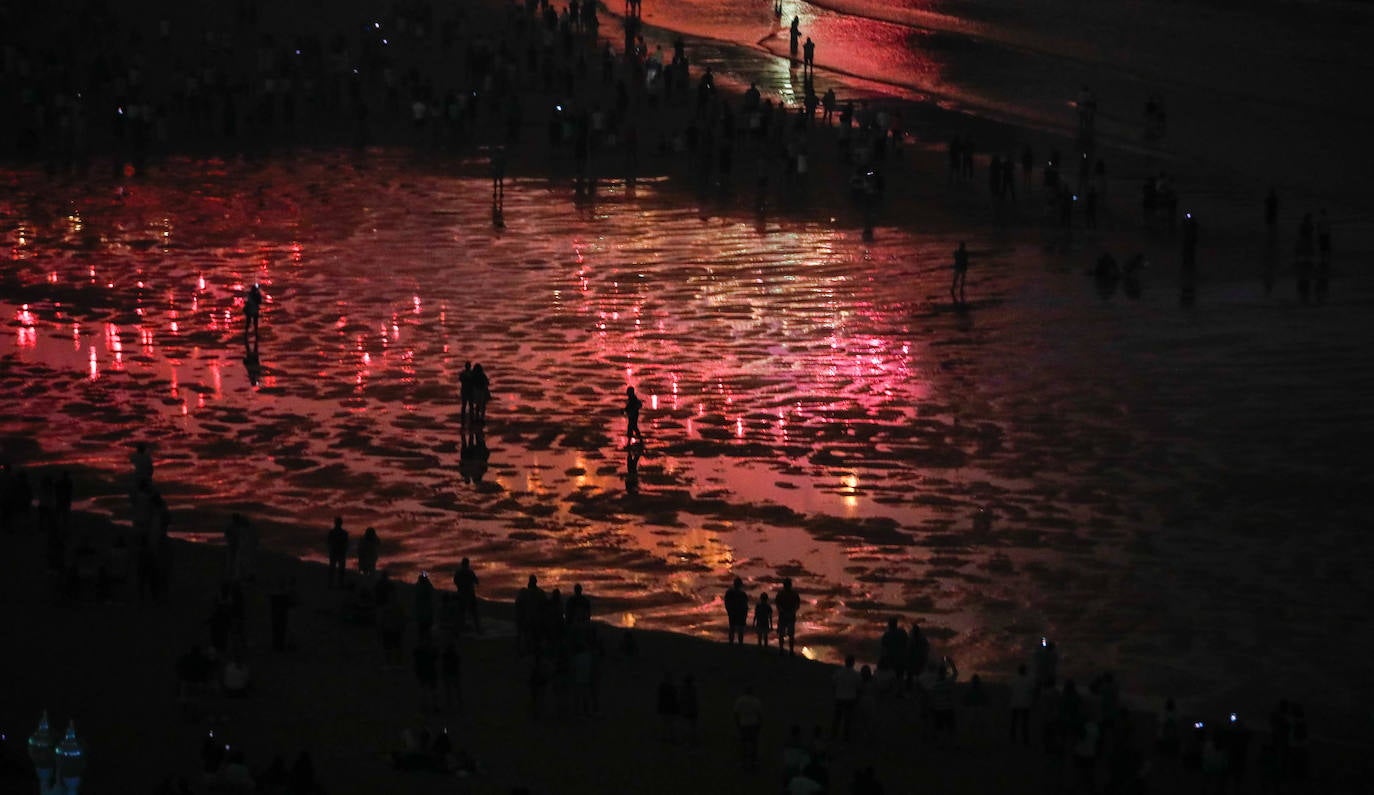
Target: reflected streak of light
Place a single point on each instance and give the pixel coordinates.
(627, 619)
(95, 365)
(216, 379)
(653, 401)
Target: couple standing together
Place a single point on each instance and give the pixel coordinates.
(474, 392)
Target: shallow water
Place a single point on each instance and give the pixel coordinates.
(1174, 493)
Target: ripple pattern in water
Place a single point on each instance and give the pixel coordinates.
(814, 409)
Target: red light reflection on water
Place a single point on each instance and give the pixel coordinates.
(771, 345)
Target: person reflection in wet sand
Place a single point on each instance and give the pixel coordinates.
(473, 455)
(253, 366)
(632, 455)
(632, 406)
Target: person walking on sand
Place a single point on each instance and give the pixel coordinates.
(808, 57)
(337, 541)
(788, 603)
(736, 610)
(632, 406)
(956, 287)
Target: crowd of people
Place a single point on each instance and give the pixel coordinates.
(1091, 739)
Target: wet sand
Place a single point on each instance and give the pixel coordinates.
(818, 410)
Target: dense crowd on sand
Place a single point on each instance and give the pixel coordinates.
(560, 666)
(539, 88)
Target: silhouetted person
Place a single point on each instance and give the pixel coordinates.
(465, 582)
(809, 55)
(481, 393)
(424, 605)
(763, 619)
(956, 287)
(252, 308)
(465, 391)
(578, 610)
(736, 610)
(787, 604)
(794, 37)
(337, 541)
(369, 548)
(632, 406)
(894, 649)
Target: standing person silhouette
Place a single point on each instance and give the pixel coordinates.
(337, 542)
(465, 582)
(737, 610)
(787, 603)
(481, 394)
(252, 308)
(956, 287)
(763, 620)
(465, 391)
(809, 56)
(632, 406)
(794, 37)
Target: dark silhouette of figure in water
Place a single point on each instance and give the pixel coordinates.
(252, 308)
(253, 366)
(956, 287)
(809, 57)
(794, 37)
(632, 406)
(473, 455)
(632, 455)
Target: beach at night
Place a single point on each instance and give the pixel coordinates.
(1156, 468)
